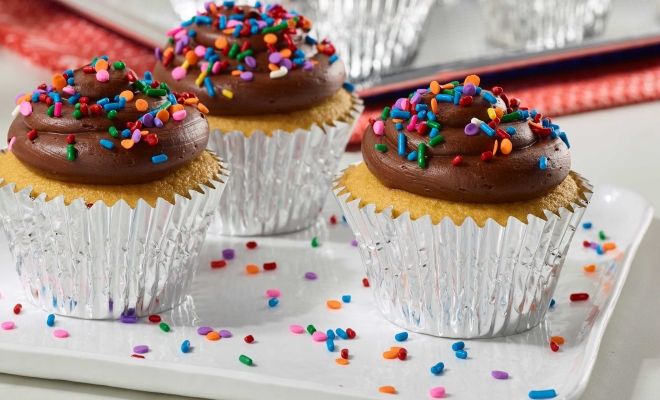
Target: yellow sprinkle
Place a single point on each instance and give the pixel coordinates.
(185, 65)
(491, 113)
(227, 93)
(200, 78)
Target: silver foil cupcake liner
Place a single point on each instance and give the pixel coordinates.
(462, 281)
(103, 262)
(279, 183)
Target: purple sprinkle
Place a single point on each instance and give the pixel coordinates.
(148, 120)
(158, 122)
(128, 320)
(49, 88)
(308, 65)
(17, 97)
(130, 312)
(275, 58)
(416, 98)
(262, 24)
(111, 305)
(185, 40)
(310, 275)
(204, 330)
(225, 334)
(593, 245)
(422, 91)
(250, 62)
(469, 89)
(399, 104)
(286, 63)
(228, 254)
(158, 53)
(178, 46)
(500, 375)
(207, 6)
(141, 349)
(38, 91)
(247, 76)
(354, 243)
(471, 129)
(137, 136)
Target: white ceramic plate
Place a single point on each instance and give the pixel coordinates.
(293, 366)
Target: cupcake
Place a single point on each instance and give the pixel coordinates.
(106, 193)
(463, 209)
(279, 111)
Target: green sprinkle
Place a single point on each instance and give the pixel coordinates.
(245, 360)
(77, 106)
(421, 155)
(234, 50)
(511, 117)
(51, 110)
(435, 140)
(118, 65)
(311, 329)
(381, 147)
(156, 92)
(601, 235)
(411, 95)
(315, 242)
(95, 59)
(165, 87)
(70, 152)
(433, 124)
(241, 56)
(385, 113)
(140, 85)
(275, 29)
(77, 114)
(164, 327)
(113, 131)
(449, 91)
(171, 39)
(165, 105)
(112, 114)
(455, 83)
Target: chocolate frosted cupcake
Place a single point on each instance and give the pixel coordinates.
(106, 193)
(464, 209)
(279, 111)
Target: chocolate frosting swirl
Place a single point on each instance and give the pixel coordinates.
(299, 89)
(503, 178)
(180, 141)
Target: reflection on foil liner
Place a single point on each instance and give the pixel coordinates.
(462, 281)
(279, 183)
(103, 262)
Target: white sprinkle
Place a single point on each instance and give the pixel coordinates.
(477, 121)
(278, 74)
(16, 111)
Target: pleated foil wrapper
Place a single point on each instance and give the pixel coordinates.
(101, 262)
(279, 183)
(462, 281)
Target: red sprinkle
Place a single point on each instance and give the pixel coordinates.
(422, 128)
(151, 139)
(365, 282)
(371, 121)
(131, 77)
(457, 160)
(497, 90)
(554, 347)
(465, 101)
(333, 219)
(95, 109)
(538, 117)
(49, 101)
(579, 296)
(505, 98)
(493, 124)
(32, 134)
(218, 264)
(154, 84)
(486, 155)
(251, 245)
(514, 101)
(270, 266)
(83, 100)
(84, 109)
(502, 134)
(249, 339)
(245, 46)
(344, 354)
(154, 318)
(89, 70)
(351, 333)
(586, 243)
(168, 59)
(137, 356)
(403, 353)
(17, 308)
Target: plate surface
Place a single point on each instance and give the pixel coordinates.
(287, 365)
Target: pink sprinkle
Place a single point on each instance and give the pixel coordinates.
(413, 122)
(405, 104)
(58, 109)
(200, 51)
(216, 67)
(204, 66)
(68, 90)
(319, 336)
(174, 31)
(273, 293)
(179, 73)
(180, 34)
(379, 127)
(10, 325)
(296, 329)
(232, 23)
(11, 143)
(103, 76)
(437, 392)
(60, 333)
(179, 115)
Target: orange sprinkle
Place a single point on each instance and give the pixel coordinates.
(163, 115)
(27, 97)
(495, 148)
(270, 38)
(167, 51)
(396, 120)
(506, 146)
(228, 31)
(201, 107)
(144, 133)
(334, 304)
(221, 42)
(252, 269)
(101, 64)
(387, 389)
(499, 112)
(435, 87)
(214, 336)
(236, 72)
(191, 100)
(390, 355)
(273, 67)
(534, 124)
(127, 94)
(315, 62)
(395, 348)
(191, 57)
(212, 8)
(320, 47)
(341, 361)
(590, 268)
(286, 53)
(58, 81)
(434, 105)
(557, 339)
(291, 23)
(474, 79)
(175, 107)
(448, 86)
(141, 105)
(609, 246)
(127, 143)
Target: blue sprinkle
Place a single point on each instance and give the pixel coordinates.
(587, 225)
(69, 81)
(346, 298)
(543, 163)
(50, 321)
(398, 126)
(273, 302)
(310, 40)
(330, 343)
(159, 158)
(552, 303)
(74, 99)
(116, 97)
(534, 112)
(228, 4)
(489, 96)
(299, 54)
(400, 337)
(412, 156)
(457, 97)
(461, 354)
(341, 333)
(70, 72)
(241, 68)
(107, 144)
(112, 106)
(334, 58)
(478, 90)
(237, 30)
(103, 101)
(331, 334)
(209, 86)
(35, 97)
(223, 22)
(524, 114)
(237, 17)
(444, 98)
(402, 152)
(148, 76)
(257, 4)
(458, 346)
(348, 87)
(458, 89)
(185, 346)
(542, 394)
(430, 116)
(487, 129)
(545, 123)
(564, 139)
(192, 33)
(208, 53)
(55, 96)
(126, 133)
(399, 114)
(213, 59)
(420, 107)
(599, 250)
(171, 98)
(421, 115)
(202, 19)
(104, 57)
(122, 102)
(511, 130)
(188, 23)
(434, 132)
(436, 369)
